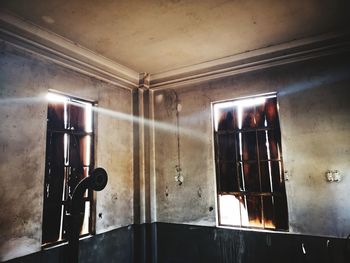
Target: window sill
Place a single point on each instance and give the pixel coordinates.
(57, 244)
(254, 229)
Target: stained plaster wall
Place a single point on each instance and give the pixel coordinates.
(24, 81)
(315, 122)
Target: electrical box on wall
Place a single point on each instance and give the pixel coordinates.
(333, 176)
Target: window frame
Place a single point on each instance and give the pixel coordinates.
(91, 194)
(216, 177)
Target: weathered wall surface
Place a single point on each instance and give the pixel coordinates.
(315, 122)
(24, 81)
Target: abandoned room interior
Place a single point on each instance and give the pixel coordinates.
(175, 131)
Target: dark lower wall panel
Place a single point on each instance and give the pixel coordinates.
(191, 244)
(115, 246)
(179, 243)
(145, 243)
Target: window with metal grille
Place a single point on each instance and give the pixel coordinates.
(69, 158)
(248, 163)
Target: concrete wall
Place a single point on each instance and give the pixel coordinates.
(315, 122)
(24, 81)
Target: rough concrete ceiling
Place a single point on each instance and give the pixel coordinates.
(159, 35)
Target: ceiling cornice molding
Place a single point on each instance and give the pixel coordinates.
(144, 81)
(60, 50)
(294, 51)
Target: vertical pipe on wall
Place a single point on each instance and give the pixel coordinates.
(142, 181)
(136, 157)
(152, 165)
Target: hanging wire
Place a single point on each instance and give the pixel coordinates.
(178, 166)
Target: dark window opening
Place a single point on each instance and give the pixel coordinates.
(249, 165)
(69, 158)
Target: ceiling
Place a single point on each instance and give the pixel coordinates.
(160, 35)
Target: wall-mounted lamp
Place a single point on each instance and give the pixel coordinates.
(96, 181)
